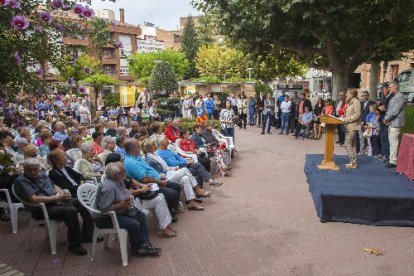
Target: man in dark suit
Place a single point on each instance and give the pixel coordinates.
(259, 108)
(362, 143)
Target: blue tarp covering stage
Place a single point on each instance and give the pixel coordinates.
(370, 194)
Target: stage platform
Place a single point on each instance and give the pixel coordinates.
(370, 194)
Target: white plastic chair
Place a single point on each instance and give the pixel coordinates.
(13, 209)
(174, 148)
(51, 224)
(86, 196)
(227, 140)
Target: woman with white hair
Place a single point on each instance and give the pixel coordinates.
(86, 165)
(108, 144)
(85, 114)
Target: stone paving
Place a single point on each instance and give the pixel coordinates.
(260, 222)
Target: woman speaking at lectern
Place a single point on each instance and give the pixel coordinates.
(352, 122)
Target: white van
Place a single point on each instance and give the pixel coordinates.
(406, 81)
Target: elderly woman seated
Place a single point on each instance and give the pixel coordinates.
(108, 143)
(87, 166)
(213, 150)
(75, 153)
(187, 144)
(147, 199)
(112, 195)
(196, 169)
(182, 176)
(157, 134)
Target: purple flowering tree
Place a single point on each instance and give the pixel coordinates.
(31, 35)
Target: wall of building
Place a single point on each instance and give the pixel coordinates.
(386, 74)
(171, 39)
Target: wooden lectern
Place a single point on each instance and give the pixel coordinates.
(331, 122)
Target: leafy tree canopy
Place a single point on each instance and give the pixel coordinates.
(190, 45)
(141, 64)
(347, 33)
(78, 70)
(221, 62)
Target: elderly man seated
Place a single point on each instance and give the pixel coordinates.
(35, 187)
(304, 121)
(137, 168)
(113, 196)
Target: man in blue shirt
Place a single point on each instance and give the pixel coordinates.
(209, 102)
(138, 169)
(196, 169)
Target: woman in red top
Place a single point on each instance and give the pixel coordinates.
(171, 132)
(187, 144)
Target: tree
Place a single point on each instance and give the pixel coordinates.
(206, 29)
(78, 70)
(31, 34)
(221, 62)
(347, 33)
(98, 81)
(163, 77)
(141, 64)
(190, 45)
(163, 81)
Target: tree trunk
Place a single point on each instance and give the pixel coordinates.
(340, 82)
(384, 74)
(373, 80)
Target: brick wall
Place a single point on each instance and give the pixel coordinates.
(168, 38)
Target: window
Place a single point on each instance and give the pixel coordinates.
(177, 38)
(124, 71)
(108, 70)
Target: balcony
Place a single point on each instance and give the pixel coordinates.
(109, 60)
(126, 78)
(76, 41)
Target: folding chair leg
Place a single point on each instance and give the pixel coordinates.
(52, 236)
(123, 244)
(14, 219)
(95, 236)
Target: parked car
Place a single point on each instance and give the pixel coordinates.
(406, 81)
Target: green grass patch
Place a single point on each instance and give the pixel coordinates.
(409, 124)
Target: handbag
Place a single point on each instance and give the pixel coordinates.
(133, 212)
(148, 195)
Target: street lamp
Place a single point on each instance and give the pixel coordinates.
(250, 72)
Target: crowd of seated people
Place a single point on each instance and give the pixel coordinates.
(51, 159)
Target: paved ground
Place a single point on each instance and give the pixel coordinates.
(260, 222)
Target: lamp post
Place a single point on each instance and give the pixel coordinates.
(250, 72)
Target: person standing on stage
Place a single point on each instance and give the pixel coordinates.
(395, 120)
(352, 122)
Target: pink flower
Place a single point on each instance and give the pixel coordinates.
(14, 4)
(4, 2)
(39, 72)
(78, 9)
(87, 12)
(70, 81)
(87, 70)
(19, 22)
(57, 4)
(59, 28)
(17, 58)
(114, 24)
(45, 17)
(82, 89)
(119, 44)
(38, 29)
